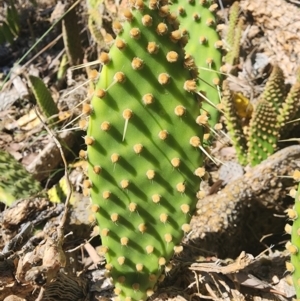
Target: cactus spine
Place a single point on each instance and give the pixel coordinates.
(144, 148)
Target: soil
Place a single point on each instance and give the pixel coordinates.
(236, 249)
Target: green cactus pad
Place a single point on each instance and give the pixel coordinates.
(264, 133)
(198, 22)
(294, 245)
(143, 151)
(43, 97)
(15, 181)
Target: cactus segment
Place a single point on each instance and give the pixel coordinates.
(43, 97)
(95, 20)
(275, 91)
(10, 26)
(71, 37)
(234, 53)
(15, 181)
(290, 109)
(203, 55)
(233, 35)
(233, 18)
(234, 125)
(264, 133)
(269, 121)
(294, 245)
(143, 148)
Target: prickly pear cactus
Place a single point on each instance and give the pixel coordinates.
(15, 181)
(144, 149)
(198, 24)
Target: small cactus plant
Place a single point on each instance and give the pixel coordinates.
(10, 27)
(270, 118)
(233, 35)
(263, 133)
(71, 37)
(145, 148)
(95, 20)
(290, 109)
(43, 97)
(234, 124)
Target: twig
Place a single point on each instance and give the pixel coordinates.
(26, 230)
(41, 294)
(81, 245)
(239, 264)
(93, 254)
(60, 228)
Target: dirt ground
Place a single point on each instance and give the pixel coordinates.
(236, 253)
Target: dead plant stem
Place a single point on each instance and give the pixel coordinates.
(60, 228)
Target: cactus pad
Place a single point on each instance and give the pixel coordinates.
(198, 23)
(294, 245)
(43, 97)
(144, 150)
(15, 181)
